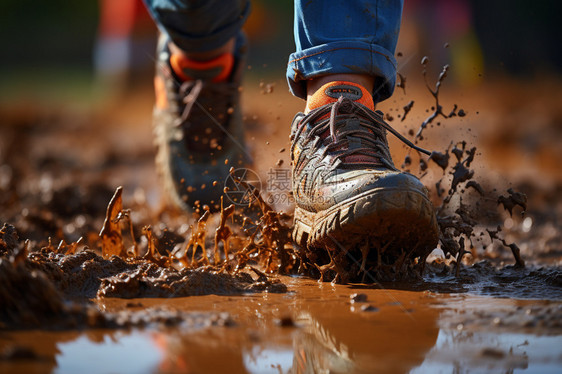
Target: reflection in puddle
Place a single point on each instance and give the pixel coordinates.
(123, 353)
(269, 360)
(493, 353)
(314, 328)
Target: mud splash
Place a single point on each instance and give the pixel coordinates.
(475, 312)
(142, 264)
(37, 281)
(34, 292)
(238, 251)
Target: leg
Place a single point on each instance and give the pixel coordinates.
(352, 37)
(349, 195)
(199, 25)
(197, 119)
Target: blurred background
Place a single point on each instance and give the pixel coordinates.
(58, 46)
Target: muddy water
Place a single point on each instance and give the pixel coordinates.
(56, 183)
(315, 327)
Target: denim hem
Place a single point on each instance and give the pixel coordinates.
(344, 57)
(193, 30)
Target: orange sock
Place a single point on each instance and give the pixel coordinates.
(215, 70)
(330, 92)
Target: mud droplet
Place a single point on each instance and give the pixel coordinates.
(358, 298)
(460, 174)
(369, 308)
(514, 199)
(407, 161)
(476, 186)
(407, 109)
(457, 152)
(453, 112)
(437, 109)
(286, 321)
(441, 159)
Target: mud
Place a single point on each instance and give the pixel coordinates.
(437, 108)
(138, 261)
(488, 299)
(316, 327)
(31, 299)
(407, 108)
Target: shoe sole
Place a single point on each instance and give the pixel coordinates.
(403, 217)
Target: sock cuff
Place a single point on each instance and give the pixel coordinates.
(331, 91)
(215, 70)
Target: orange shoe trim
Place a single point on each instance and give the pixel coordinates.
(160, 93)
(224, 61)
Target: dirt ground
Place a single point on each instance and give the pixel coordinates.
(133, 297)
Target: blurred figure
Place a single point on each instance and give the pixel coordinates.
(124, 45)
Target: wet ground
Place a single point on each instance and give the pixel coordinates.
(68, 305)
(312, 328)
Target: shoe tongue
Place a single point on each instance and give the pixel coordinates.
(331, 92)
(215, 70)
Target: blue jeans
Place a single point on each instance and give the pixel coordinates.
(331, 37)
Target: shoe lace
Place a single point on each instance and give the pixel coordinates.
(197, 96)
(371, 132)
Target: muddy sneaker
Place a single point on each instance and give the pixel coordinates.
(197, 124)
(348, 192)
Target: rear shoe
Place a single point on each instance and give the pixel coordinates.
(197, 124)
(347, 190)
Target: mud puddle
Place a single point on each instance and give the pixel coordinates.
(315, 327)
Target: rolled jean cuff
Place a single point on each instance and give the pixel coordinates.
(200, 28)
(343, 57)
